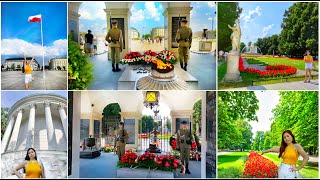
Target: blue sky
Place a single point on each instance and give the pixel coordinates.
(18, 35)
(8, 98)
(261, 19)
(145, 14)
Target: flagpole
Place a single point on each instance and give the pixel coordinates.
(43, 66)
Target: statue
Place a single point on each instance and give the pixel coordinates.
(154, 135)
(235, 36)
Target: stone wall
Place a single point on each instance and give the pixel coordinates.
(55, 163)
(211, 135)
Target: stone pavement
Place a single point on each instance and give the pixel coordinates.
(298, 85)
(14, 80)
(201, 66)
(105, 166)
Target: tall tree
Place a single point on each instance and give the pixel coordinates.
(196, 117)
(299, 29)
(298, 112)
(228, 13)
(258, 141)
(147, 124)
(246, 134)
(233, 106)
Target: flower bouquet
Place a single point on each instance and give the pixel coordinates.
(167, 57)
(128, 159)
(146, 160)
(107, 148)
(168, 163)
(132, 58)
(149, 56)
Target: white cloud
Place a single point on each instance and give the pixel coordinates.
(18, 46)
(137, 15)
(266, 30)
(92, 10)
(211, 4)
(152, 11)
(252, 14)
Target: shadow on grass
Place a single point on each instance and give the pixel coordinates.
(229, 158)
(236, 167)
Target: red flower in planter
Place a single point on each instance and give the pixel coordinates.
(167, 164)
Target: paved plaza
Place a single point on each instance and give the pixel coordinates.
(298, 85)
(14, 80)
(201, 66)
(105, 166)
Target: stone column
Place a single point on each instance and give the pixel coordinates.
(233, 74)
(63, 118)
(31, 123)
(174, 10)
(15, 132)
(52, 143)
(203, 134)
(73, 19)
(119, 10)
(5, 138)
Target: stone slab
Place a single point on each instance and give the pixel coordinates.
(89, 154)
(129, 78)
(143, 173)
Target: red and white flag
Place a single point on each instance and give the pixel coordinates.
(36, 18)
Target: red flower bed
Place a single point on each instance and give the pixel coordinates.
(168, 162)
(129, 158)
(271, 71)
(258, 166)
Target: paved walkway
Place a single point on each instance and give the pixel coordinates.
(298, 85)
(201, 66)
(14, 80)
(105, 166)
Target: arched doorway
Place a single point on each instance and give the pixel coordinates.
(172, 12)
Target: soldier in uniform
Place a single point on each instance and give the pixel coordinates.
(184, 38)
(184, 141)
(121, 140)
(115, 40)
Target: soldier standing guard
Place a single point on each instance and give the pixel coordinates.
(115, 40)
(184, 141)
(121, 140)
(184, 38)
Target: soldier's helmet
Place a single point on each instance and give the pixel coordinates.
(184, 122)
(184, 20)
(114, 21)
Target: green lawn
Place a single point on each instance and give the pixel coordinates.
(299, 64)
(308, 171)
(231, 165)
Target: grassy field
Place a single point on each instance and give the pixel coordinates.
(232, 165)
(299, 64)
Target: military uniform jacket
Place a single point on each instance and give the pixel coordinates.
(121, 134)
(184, 37)
(182, 137)
(114, 37)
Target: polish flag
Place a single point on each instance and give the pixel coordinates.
(36, 18)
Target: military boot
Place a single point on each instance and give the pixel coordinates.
(185, 66)
(113, 69)
(181, 64)
(187, 169)
(117, 68)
